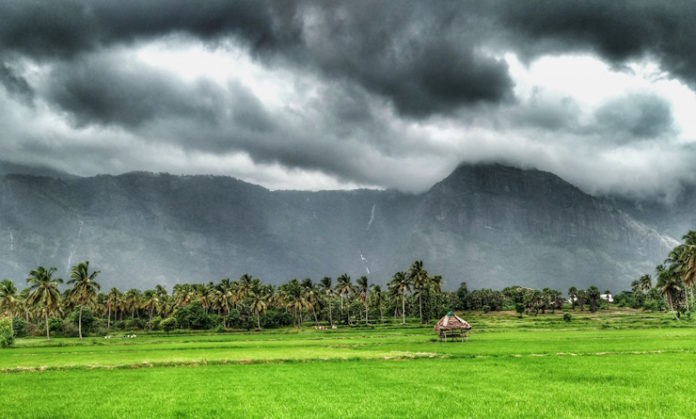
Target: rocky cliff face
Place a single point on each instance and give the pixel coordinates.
(489, 225)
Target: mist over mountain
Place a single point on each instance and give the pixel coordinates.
(488, 225)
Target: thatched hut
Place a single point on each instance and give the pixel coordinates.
(452, 325)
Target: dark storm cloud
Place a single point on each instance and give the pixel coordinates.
(617, 30)
(380, 72)
(69, 27)
(425, 58)
(14, 83)
(635, 117)
(630, 118)
(105, 90)
(417, 57)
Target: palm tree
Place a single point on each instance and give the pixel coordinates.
(258, 300)
(418, 277)
(112, 299)
(311, 296)
(378, 300)
(132, 301)
(9, 301)
(688, 262)
(294, 299)
(364, 289)
(329, 293)
(226, 298)
(345, 289)
(645, 283)
(675, 262)
(84, 289)
(669, 284)
(400, 285)
(44, 294)
(573, 296)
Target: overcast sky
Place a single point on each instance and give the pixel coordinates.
(319, 95)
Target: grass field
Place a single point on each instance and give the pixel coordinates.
(615, 364)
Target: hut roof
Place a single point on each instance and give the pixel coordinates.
(451, 322)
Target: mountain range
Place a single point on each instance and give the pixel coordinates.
(487, 224)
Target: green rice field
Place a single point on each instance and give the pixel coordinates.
(613, 364)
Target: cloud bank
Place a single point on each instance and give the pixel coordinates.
(316, 95)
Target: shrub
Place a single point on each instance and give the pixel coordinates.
(168, 324)
(154, 324)
(219, 329)
(192, 317)
(20, 327)
(519, 308)
(134, 324)
(87, 318)
(55, 324)
(69, 329)
(233, 318)
(6, 334)
(567, 317)
(486, 308)
(275, 318)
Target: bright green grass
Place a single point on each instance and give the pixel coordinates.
(594, 366)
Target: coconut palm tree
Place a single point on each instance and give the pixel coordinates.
(345, 289)
(9, 300)
(311, 295)
(688, 262)
(670, 285)
(378, 300)
(85, 287)
(645, 283)
(112, 299)
(400, 285)
(419, 279)
(226, 298)
(328, 291)
(573, 296)
(675, 263)
(363, 291)
(294, 299)
(132, 301)
(44, 294)
(258, 300)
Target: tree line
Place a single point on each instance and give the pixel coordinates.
(247, 302)
(676, 277)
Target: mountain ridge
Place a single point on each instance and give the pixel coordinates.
(488, 224)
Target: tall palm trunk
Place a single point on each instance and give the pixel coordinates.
(330, 316)
(258, 319)
(367, 321)
(316, 321)
(403, 308)
(79, 323)
(420, 307)
(108, 319)
(48, 335)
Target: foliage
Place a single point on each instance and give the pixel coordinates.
(55, 324)
(19, 326)
(192, 316)
(168, 324)
(88, 319)
(567, 317)
(6, 334)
